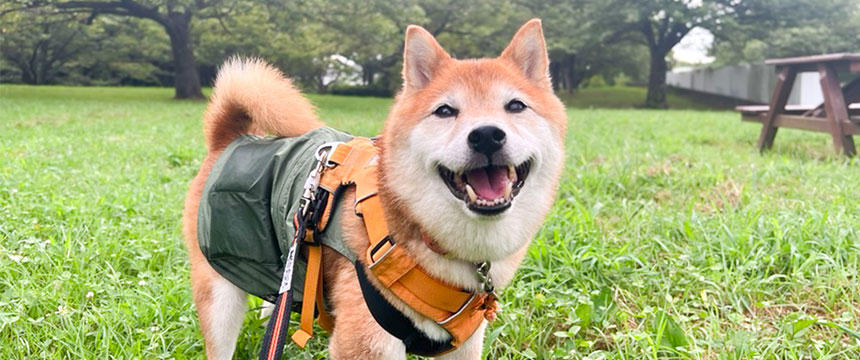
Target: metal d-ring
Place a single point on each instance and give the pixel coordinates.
(483, 272)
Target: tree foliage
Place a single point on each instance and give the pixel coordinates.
(662, 24)
(174, 16)
(38, 46)
(809, 28)
(352, 46)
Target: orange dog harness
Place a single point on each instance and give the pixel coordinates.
(457, 310)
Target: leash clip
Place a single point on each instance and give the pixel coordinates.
(313, 181)
(483, 272)
(324, 153)
(490, 304)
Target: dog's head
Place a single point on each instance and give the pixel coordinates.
(473, 148)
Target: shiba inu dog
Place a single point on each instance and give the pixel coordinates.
(469, 163)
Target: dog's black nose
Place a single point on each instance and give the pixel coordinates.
(486, 139)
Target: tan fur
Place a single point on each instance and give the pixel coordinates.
(252, 97)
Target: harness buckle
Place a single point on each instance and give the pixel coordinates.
(387, 243)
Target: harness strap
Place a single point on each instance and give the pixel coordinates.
(458, 311)
(313, 289)
(312, 285)
(397, 324)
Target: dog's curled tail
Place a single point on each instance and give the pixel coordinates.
(253, 97)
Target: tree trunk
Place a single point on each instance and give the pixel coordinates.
(186, 80)
(656, 97)
(368, 74)
(27, 76)
(562, 67)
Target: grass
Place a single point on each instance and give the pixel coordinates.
(671, 238)
(628, 97)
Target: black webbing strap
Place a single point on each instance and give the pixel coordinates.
(397, 324)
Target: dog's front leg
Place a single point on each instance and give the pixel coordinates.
(471, 348)
(356, 335)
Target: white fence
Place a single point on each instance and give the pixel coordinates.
(746, 82)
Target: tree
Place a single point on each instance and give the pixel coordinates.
(365, 32)
(370, 33)
(827, 26)
(40, 44)
(663, 29)
(175, 17)
(584, 43)
(124, 51)
(662, 24)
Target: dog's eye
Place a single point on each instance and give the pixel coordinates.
(515, 106)
(445, 111)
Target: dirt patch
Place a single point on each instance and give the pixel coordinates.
(662, 197)
(720, 196)
(40, 120)
(772, 317)
(664, 168)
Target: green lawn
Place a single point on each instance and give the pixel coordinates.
(628, 97)
(672, 237)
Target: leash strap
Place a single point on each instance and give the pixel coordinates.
(457, 310)
(276, 331)
(306, 221)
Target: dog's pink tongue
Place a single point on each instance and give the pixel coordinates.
(488, 182)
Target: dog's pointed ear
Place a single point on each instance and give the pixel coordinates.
(527, 51)
(422, 57)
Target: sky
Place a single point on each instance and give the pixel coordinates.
(693, 48)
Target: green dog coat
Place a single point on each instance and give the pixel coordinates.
(245, 219)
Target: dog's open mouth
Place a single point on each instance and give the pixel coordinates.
(487, 190)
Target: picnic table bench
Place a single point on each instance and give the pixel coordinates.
(837, 115)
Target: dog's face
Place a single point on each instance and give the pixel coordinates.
(474, 148)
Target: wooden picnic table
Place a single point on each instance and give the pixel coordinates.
(837, 115)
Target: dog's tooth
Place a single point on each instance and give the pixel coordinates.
(472, 196)
(509, 189)
(512, 173)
